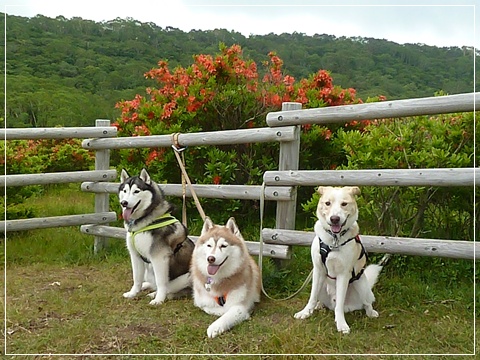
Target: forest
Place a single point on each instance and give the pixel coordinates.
(69, 72)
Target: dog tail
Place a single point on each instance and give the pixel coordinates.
(373, 271)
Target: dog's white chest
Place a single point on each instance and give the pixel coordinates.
(140, 243)
(335, 263)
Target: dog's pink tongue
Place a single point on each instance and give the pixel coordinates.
(212, 269)
(127, 212)
(336, 228)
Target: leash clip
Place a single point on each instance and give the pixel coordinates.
(180, 149)
(176, 144)
(335, 246)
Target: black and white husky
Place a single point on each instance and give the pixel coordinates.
(159, 248)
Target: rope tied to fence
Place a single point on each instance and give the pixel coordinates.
(180, 150)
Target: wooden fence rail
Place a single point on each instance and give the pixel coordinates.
(240, 192)
(58, 133)
(380, 177)
(58, 221)
(57, 178)
(379, 110)
(456, 249)
(212, 138)
(271, 250)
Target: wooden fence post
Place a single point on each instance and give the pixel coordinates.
(288, 160)
(102, 162)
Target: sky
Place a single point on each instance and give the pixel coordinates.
(436, 23)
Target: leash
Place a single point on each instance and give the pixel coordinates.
(260, 255)
(186, 180)
(181, 162)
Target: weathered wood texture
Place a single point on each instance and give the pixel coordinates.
(378, 110)
(213, 138)
(380, 177)
(241, 192)
(58, 221)
(57, 178)
(286, 212)
(270, 250)
(102, 163)
(58, 133)
(457, 249)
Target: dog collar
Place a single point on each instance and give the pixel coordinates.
(220, 300)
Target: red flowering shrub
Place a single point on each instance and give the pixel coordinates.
(221, 92)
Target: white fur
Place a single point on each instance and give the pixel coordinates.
(339, 295)
(238, 277)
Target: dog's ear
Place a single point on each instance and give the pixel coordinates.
(124, 175)
(145, 177)
(355, 190)
(233, 227)
(207, 225)
(321, 189)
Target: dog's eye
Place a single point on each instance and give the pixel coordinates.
(209, 246)
(223, 246)
(328, 203)
(344, 203)
(136, 191)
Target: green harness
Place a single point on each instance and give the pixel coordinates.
(162, 221)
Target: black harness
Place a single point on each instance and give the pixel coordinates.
(326, 249)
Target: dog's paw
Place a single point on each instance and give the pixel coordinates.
(343, 328)
(303, 314)
(130, 294)
(215, 330)
(158, 300)
(369, 311)
(152, 294)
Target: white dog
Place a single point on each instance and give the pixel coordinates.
(226, 280)
(340, 280)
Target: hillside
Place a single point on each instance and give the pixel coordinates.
(71, 71)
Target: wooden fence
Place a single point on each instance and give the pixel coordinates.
(280, 185)
(98, 217)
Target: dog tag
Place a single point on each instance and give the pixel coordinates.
(208, 283)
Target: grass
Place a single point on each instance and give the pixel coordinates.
(61, 299)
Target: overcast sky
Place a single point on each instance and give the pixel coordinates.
(437, 23)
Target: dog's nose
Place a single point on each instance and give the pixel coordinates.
(211, 259)
(334, 219)
(124, 203)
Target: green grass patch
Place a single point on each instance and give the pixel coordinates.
(62, 299)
